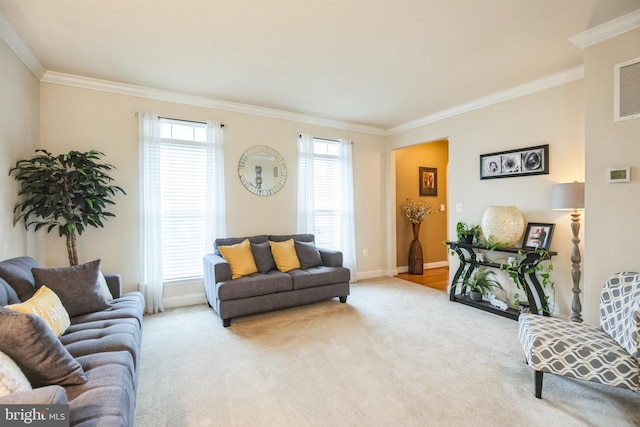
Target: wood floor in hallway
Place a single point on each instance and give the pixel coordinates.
(437, 278)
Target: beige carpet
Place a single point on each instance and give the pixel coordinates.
(397, 354)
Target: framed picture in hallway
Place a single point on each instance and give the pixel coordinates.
(521, 162)
(428, 181)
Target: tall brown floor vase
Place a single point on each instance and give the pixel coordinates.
(415, 252)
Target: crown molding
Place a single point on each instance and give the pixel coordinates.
(515, 92)
(200, 101)
(19, 47)
(609, 29)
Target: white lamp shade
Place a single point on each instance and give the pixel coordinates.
(568, 196)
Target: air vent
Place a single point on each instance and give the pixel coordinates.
(627, 90)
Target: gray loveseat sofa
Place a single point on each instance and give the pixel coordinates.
(92, 366)
(321, 276)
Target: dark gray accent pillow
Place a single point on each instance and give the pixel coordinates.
(263, 257)
(308, 254)
(76, 286)
(296, 237)
(30, 343)
(7, 294)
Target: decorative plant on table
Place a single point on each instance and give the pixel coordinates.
(416, 212)
(68, 192)
(467, 234)
(542, 267)
(481, 283)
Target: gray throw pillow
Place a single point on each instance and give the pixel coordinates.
(29, 342)
(308, 254)
(263, 257)
(76, 286)
(17, 273)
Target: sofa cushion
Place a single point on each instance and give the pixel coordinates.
(319, 276)
(284, 254)
(17, 273)
(108, 398)
(77, 286)
(12, 380)
(130, 306)
(263, 257)
(308, 254)
(104, 336)
(254, 285)
(46, 305)
(39, 353)
(7, 294)
(240, 259)
(228, 241)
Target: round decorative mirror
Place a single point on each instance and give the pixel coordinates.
(262, 170)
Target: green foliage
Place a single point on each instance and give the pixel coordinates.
(69, 192)
(542, 267)
(482, 281)
(463, 230)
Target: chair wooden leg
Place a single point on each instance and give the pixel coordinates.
(538, 380)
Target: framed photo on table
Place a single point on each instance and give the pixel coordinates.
(538, 236)
(428, 181)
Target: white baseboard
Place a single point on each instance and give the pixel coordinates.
(426, 266)
(184, 300)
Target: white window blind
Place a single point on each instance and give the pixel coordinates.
(326, 168)
(183, 164)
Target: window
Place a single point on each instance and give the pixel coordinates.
(326, 169)
(183, 183)
(325, 195)
(182, 207)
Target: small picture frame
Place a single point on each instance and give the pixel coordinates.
(428, 181)
(622, 174)
(538, 236)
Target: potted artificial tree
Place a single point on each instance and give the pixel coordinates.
(68, 192)
(481, 283)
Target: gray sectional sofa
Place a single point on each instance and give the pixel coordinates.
(321, 276)
(93, 365)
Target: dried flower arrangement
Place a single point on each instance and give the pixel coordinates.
(416, 211)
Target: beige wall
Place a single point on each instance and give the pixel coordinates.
(611, 211)
(433, 231)
(554, 116)
(19, 137)
(74, 118)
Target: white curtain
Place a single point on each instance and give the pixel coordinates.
(216, 223)
(306, 204)
(150, 211)
(347, 210)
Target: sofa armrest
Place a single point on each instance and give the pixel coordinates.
(216, 269)
(331, 258)
(49, 395)
(114, 281)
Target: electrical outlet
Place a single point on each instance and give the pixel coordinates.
(442, 207)
(458, 207)
(365, 252)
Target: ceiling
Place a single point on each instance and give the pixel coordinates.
(379, 63)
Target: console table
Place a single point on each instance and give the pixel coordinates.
(527, 277)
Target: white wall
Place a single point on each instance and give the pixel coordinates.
(19, 137)
(611, 211)
(553, 116)
(82, 119)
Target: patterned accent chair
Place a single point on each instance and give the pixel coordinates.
(607, 355)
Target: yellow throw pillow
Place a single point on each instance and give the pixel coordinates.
(240, 258)
(285, 256)
(46, 305)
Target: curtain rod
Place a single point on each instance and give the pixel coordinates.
(188, 121)
(321, 139)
